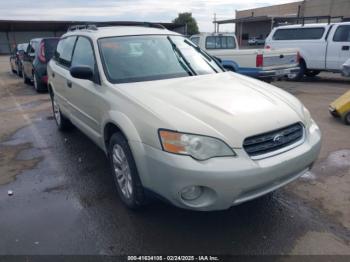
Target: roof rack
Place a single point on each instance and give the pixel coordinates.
(317, 19)
(96, 25)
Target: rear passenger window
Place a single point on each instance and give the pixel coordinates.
(220, 42)
(342, 34)
(299, 34)
(64, 50)
(83, 53)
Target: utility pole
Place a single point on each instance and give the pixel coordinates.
(214, 22)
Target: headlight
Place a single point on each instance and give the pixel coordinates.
(196, 146)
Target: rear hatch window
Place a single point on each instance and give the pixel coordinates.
(50, 47)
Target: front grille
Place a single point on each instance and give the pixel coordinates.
(274, 140)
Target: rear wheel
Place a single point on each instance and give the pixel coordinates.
(19, 71)
(299, 76)
(346, 118)
(38, 85)
(125, 173)
(312, 73)
(26, 80)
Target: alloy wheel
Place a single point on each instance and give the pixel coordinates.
(56, 111)
(122, 171)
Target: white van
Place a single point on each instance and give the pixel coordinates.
(323, 47)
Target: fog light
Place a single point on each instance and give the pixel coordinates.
(191, 193)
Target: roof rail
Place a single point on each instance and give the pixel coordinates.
(96, 25)
(81, 27)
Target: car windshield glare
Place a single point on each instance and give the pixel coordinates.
(152, 57)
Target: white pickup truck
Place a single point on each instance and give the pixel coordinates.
(257, 63)
(323, 47)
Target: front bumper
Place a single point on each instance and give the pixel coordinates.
(225, 181)
(278, 73)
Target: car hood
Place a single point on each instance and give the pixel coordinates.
(225, 105)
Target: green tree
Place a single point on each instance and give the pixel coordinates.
(187, 19)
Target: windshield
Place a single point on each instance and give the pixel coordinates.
(153, 57)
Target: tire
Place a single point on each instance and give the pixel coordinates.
(300, 75)
(125, 173)
(312, 73)
(38, 85)
(26, 80)
(62, 122)
(12, 69)
(19, 71)
(346, 118)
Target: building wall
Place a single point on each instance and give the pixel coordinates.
(276, 10)
(16, 32)
(9, 39)
(327, 8)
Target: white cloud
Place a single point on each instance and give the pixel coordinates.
(139, 10)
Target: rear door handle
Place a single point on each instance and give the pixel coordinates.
(69, 83)
(53, 74)
(346, 48)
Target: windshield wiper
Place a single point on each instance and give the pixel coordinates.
(186, 65)
(208, 57)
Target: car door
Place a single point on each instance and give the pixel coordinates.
(60, 72)
(86, 96)
(338, 47)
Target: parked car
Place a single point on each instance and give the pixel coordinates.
(257, 63)
(256, 41)
(173, 123)
(323, 47)
(16, 58)
(35, 59)
(341, 108)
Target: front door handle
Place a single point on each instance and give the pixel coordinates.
(346, 48)
(69, 83)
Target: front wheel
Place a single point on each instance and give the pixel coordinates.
(125, 173)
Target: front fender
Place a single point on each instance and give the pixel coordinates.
(123, 123)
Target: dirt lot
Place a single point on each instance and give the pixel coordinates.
(64, 201)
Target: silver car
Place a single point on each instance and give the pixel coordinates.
(173, 123)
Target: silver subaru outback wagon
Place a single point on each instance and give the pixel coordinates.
(172, 122)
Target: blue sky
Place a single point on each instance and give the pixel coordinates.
(138, 10)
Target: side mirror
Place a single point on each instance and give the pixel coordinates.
(82, 72)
